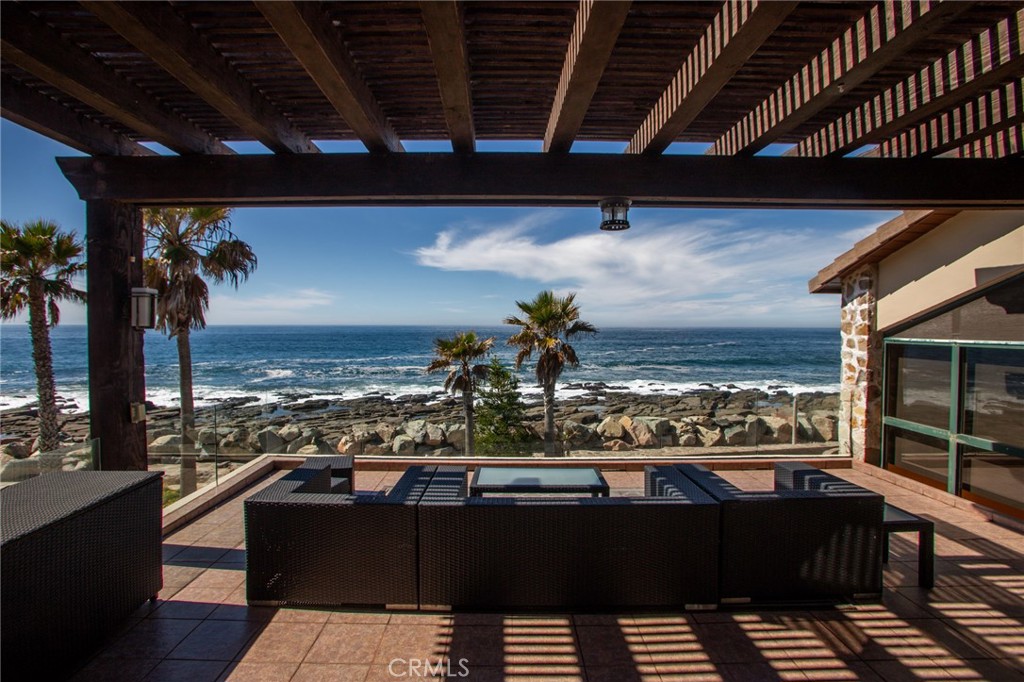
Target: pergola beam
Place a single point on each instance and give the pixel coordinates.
(549, 180)
(733, 36)
(317, 45)
(38, 49)
(158, 32)
(993, 112)
(39, 113)
(593, 38)
(980, 64)
(443, 21)
(885, 33)
(1006, 143)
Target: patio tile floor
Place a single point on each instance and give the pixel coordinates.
(969, 627)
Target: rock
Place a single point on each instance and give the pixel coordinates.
(323, 447)
(617, 445)
(377, 449)
(20, 470)
(446, 451)
(269, 440)
(403, 445)
(424, 450)
(781, 429)
(805, 431)
(362, 434)
(735, 435)
(824, 424)
(456, 435)
(208, 436)
(235, 437)
(434, 435)
(15, 450)
(385, 431)
(688, 440)
(293, 447)
(576, 434)
(610, 427)
(417, 430)
(756, 431)
(308, 450)
(166, 445)
(643, 434)
(710, 437)
(289, 433)
(349, 446)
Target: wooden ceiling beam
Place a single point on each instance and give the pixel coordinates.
(35, 47)
(162, 35)
(593, 38)
(443, 21)
(540, 179)
(976, 119)
(1005, 143)
(318, 46)
(982, 63)
(885, 33)
(39, 113)
(734, 34)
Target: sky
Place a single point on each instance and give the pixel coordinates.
(466, 266)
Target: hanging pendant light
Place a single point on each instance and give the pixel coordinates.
(613, 214)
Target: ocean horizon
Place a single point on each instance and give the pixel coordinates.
(288, 362)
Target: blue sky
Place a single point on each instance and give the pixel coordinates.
(468, 265)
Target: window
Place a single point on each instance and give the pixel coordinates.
(994, 395)
(920, 391)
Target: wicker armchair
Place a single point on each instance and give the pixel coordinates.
(785, 544)
(80, 552)
(565, 552)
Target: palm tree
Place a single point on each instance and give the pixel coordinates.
(39, 263)
(548, 318)
(182, 246)
(457, 354)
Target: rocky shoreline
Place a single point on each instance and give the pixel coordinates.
(601, 419)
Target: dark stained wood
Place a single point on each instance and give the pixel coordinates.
(980, 64)
(35, 47)
(116, 365)
(1002, 144)
(43, 115)
(443, 21)
(319, 48)
(545, 179)
(887, 32)
(733, 36)
(593, 39)
(158, 31)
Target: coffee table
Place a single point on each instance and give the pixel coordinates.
(538, 480)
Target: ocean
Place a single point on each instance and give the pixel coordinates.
(283, 363)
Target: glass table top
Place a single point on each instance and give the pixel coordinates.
(531, 476)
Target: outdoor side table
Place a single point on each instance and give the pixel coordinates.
(510, 480)
(897, 520)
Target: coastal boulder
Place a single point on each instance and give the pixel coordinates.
(710, 437)
(386, 431)
(576, 434)
(166, 445)
(617, 445)
(434, 435)
(363, 434)
(416, 429)
(269, 440)
(643, 434)
(15, 450)
(289, 433)
(294, 446)
(824, 424)
(688, 440)
(735, 435)
(308, 450)
(377, 449)
(349, 446)
(756, 430)
(781, 429)
(610, 427)
(20, 470)
(456, 434)
(403, 445)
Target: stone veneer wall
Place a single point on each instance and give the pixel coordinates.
(860, 401)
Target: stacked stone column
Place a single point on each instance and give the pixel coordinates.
(860, 407)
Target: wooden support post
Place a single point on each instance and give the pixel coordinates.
(114, 242)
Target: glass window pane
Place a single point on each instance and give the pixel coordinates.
(995, 477)
(922, 457)
(994, 395)
(919, 384)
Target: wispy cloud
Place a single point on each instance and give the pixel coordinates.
(291, 306)
(727, 271)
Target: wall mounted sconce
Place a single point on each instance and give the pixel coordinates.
(143, 308)
(613, 214)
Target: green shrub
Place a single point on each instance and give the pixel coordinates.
(500, 415)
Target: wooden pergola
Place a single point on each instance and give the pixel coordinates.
(881, 104)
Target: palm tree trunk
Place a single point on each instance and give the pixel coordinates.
(188, 417)
(467, 410)
(42, 356)
(551, 448)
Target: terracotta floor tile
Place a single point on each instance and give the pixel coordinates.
(290, 615)
(219, 578)
(604, 646)
(422, 642)
(216, 640)
(190, 671)
(258, 672)
(183, 609)
(331, 672)
(151, 638)
(282, 643)
(116, 670)
(242, 612)
(381, 618)
(637, 673)
(479, 645)
(346, 643)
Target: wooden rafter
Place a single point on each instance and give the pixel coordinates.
(976, 119)
(158, 32)
(547, 179)
(734, 34)
(590, 47)
(319, 48)
(38, 49)
(980, 64)
(885, 33)
(443, 21)
(1005, 143)
(43, 115)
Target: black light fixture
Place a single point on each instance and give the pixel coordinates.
(613, 214)
(143, 308)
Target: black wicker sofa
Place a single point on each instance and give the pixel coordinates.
(822, 542)
(80, 552)
(570, 553)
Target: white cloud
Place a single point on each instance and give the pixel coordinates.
(286, 307)
(721, 272)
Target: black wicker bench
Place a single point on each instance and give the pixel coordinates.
(791, 544)
(80, 552)
(900, 521)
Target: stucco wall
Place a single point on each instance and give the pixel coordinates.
(960, 255)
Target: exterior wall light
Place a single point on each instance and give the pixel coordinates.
(143, 308)
(613, 214)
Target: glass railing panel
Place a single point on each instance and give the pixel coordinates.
(72, 457)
